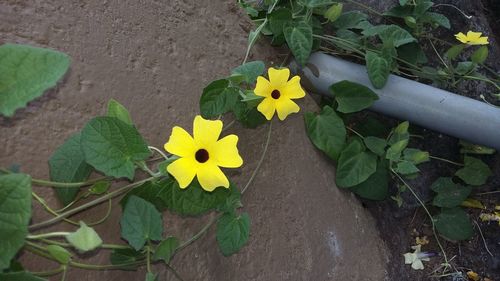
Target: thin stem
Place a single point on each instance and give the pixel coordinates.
(198, 235)
(355, 132)
(490, 192)
(446, 160)
(368, 8)
(437, 53)
(456, 8)
(268, 140)
(97, 201)
(65, 184)
(482, 79)
(484, 241)
(104, 266)
(103, 246)
(47, 235)
(158, 151)
(176, 274)
(148, 256)
(427, 211)
(65, 270)
(48, 273)
(49, 209)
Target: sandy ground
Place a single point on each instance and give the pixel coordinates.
(155, 57)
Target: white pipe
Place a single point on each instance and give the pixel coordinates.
(404, 99)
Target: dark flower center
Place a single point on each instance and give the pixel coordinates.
(201, 155)
(275, 94)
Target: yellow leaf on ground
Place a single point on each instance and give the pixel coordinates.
(473, 203)
(473, 276)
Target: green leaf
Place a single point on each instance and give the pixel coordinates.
(232, 232)
(311, 4)
(412, 53)
(248, 116)
(394, 151)
(352, 97)
(436, 18)
(351, 40)
(376, 187)
(250, 70)
(475, 172)
(67, 164)
(355, 167)
(400, 133)
(376, 145)
(300, 40)
(278, 19)
(125, 257)
(406, 168)
(140, 222)
(480, 55)
(151, 191)
(454, 224)
(26, 72)
(193, 200)
(422, 7)
(403, 2)
(416, 156)
(470, 148)
(390, 34)
(378, 69)
(117, 110)
(465, 67)
(150, 276)
(99, 187)
(59, 253)
(112, 146)
(334, 12)
(350, 20)
(218, 98)
(454, 51)
(166, 249)
(85, 238)
(410, 21)
(20, 276)
(326, 131)
(15, 214)
(399, 11)
(449, 194)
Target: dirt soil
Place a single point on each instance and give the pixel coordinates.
(155, 57)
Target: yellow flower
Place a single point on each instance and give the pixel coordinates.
(472, 38)
(202, 154)
(278, 93)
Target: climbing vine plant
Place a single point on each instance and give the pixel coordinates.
(185, 176)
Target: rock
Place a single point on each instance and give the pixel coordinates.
(155, 57)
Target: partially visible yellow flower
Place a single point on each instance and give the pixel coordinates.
(472, 38)
(202, 154)
(473, 276)
(278, 93)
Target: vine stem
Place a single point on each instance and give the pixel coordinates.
(428, 214)
(355, 132)
(47, 235)
(446, 160)
(48, 273)
(158, 151)
(99, 200)
(66, 184)
(266, 146)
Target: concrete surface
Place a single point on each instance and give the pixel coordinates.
(155, 57)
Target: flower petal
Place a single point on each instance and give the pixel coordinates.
(183, 170)
(293, 90)
(180, 143)
(263, 87)
(410, 258)
(480, 41)
(285, 107)
(210, 177)
(278, 77)
(472, 36)
(206, 132)
(267, 108)
(461, 37)
(226, 152)
(417, 265)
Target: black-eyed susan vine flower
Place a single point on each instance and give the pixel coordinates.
(472, 38)
(278, 93)
(203, 154)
